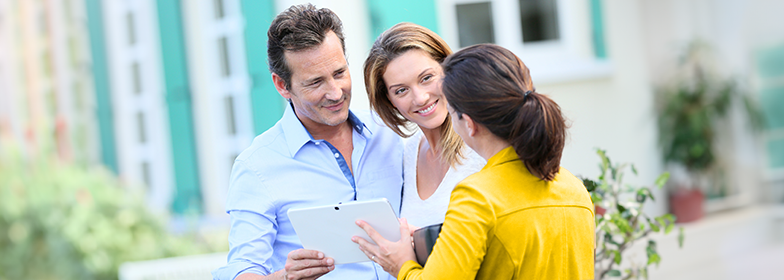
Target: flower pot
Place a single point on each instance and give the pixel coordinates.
(598, 210)
(687, 205)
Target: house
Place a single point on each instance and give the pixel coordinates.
(166, 93)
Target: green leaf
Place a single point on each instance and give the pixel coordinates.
(617, 257)
(614, 273)
(634, 170)
(653, 256)
(654, 226)
(670, 217)
(590, 185)
(680, 238)
(662, 222)
(644, 272)
(642, 194)
(620, 208)
(596, 198)
(605, 162)
(669, 228)
(622, 224)
(663, 178)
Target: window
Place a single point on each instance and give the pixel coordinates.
(475, 24)
(539, 20)
(140, 126)
(219, 11)
(230, 122)
(131, 28)
(136, 78)
(146, 178)
(555, 37)
(223, 48)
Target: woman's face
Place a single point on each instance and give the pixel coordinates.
(413, 82)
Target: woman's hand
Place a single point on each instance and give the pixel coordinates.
(390, 255)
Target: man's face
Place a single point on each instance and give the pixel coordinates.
(320, 84)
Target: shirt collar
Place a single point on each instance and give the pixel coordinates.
(505, 155)
(297, 136)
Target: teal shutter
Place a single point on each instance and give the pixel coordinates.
(597, 21)
(267, 105)
(770, 66)
(178, 98)
(385, 14)
(100, 73)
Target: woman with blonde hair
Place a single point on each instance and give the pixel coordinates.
(402, 78)
(523, 216)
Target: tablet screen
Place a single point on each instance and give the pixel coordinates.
(329, 228)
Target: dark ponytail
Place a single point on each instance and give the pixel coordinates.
(493, 86)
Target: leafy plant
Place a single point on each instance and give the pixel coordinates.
(62, 221)
(624, 222)
(691, 106)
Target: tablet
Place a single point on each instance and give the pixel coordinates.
(329, 228)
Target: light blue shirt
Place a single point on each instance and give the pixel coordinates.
(286, 168)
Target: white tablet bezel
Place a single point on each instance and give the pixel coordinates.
(329, 228)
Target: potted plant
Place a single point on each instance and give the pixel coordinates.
(623, 222)
(690, 109)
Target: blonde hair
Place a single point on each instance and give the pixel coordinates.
(392, 43)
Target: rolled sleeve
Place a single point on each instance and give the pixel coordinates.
(253, 225)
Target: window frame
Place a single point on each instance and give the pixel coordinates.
(567, 59)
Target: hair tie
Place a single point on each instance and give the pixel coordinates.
(525, 96)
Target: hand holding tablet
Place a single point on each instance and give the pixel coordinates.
(329, 228)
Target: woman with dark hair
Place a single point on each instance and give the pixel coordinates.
(522, 216)
(402, 78)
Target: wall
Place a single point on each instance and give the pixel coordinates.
(614, 112)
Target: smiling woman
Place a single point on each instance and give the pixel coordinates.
(403, 79)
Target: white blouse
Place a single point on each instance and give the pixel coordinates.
(432, 210)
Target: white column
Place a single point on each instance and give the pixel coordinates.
(143, 147)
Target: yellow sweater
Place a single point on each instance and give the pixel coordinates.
(504, 223)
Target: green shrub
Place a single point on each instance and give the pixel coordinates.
(624, 222)
(62, 221)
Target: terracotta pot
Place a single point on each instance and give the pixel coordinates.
(687, 205)
(599, 211)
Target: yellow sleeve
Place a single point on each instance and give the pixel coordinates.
(462, 243)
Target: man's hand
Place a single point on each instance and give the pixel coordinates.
(307, 264)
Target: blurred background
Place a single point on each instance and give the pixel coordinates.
(120, 119)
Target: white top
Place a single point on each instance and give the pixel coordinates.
(432, 210)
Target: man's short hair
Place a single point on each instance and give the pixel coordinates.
(298, 28)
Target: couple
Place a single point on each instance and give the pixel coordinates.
(321, 153)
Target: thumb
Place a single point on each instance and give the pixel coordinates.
(405, 232)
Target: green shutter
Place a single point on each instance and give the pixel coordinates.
(100, 73)
(770, 68)
(597, 21)
(776, 153)
(266, 103)
(385, 14)
(178, 98)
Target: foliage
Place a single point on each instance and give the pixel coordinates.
(690, 107)
(61, 221)
(624, 222)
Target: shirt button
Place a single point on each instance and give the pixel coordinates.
(317, 143)
(337, 155)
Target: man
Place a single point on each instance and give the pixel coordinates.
(318, 153)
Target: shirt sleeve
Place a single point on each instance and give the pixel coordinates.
(462, 243)
(253, 225)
